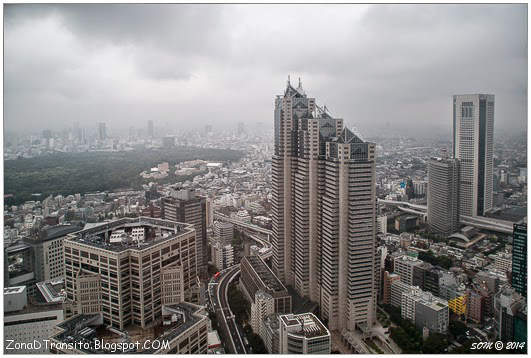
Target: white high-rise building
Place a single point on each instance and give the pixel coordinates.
(473, 128)
(263, 306)
(404, 266)
(222, 255)
(223, 232)
(324, 211)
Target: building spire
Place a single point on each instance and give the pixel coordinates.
(288, 81)
(300, 84)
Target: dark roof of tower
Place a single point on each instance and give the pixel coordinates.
(321, 112)
(347, 136)
(294, 92)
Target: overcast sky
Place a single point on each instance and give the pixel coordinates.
(383, 68)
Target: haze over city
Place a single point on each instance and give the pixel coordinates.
(251, 179)
(383, 68)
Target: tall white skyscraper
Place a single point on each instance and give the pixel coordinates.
(473, 128)
(324, 211)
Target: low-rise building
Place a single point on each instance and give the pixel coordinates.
(397, 288)
(181, 329)
(425, 310)
(474, 306)
(256, 275)
(389, 278)
(28, 325)
(270, 333)
(503, 261)
(404, 266)
(512, 316)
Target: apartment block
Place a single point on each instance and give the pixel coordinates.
(425, 310)
(263, 306)
(404, 267)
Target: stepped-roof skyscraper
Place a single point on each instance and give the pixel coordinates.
(473, 127)
(324, 211)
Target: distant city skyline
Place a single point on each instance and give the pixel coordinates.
(392, 68)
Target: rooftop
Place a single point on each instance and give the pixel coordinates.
(305, 324)
(88, 328)
(14, 290)
(54, 232)
(265, 274)
(52, 290)
(33, 306)
(98, 236)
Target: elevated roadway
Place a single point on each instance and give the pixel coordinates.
(479, 222)
(218, 293)
(242, 224)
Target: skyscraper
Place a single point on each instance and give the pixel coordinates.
(76, 132)
(473, 127)
(519, 267)
(102, 131)
(324, 211)
(241, 128)
(150, 128)
(185, 206)
(443, 195)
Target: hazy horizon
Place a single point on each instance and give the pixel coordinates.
(382, 68)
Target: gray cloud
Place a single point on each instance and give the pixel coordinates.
(381, 67)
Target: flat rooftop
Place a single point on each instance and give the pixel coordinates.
(89, 328)
(53, 232)
(34, 306)
(98, 235)
(265, 274)
(306, 325)
(52, 290)
(14, 290)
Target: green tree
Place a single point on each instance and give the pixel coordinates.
(257, 344)
(237, 238)
(457, 328)
(436, 343)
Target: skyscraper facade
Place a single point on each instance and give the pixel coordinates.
(102, 131)
(473, 127)
(443, 195)
(324, 212)
(184, 206)
(151, 129)
(111, 270)
(519, 266)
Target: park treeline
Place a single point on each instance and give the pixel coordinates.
(70, 173)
